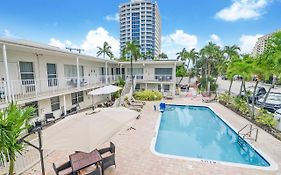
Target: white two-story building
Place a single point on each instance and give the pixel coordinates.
(55, 80)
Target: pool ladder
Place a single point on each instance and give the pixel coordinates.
(250, 130)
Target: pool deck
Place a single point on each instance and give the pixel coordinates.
(134, 156)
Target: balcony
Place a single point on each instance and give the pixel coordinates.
(153, 79)
(22, 90)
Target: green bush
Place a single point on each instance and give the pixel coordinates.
(241, 105)
(266, 119)
(148, 95)
(224, 97)
(203, 84)
(121, 82)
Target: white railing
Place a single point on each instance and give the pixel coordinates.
(155, 78)
(30, 88)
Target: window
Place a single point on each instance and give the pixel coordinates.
(77, 97)
(26, 71)
(136, 71)
(52, 74)
(71, 71)
(163, 74)
(137, 87)
(166, 87)
(55, 103)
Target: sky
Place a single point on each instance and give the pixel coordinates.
(186, 24)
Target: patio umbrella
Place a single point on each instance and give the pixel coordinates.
(105, 90)
(83, 132)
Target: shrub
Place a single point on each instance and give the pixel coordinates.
(266, 119)
(148, 95)
(241, 105)
(224, 97)
(121, 82)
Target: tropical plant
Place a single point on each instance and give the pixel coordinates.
(148, 95)
(121, 82)
(232, 52)
(210, 55)
(149, 55)
(105, 50)
(182, 55)
(181, 72)
(13, 123)
(266, 119)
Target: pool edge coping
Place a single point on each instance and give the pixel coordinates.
(272, 167)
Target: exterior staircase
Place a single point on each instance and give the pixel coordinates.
(127, 89)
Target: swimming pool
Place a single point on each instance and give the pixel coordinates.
(197, 132)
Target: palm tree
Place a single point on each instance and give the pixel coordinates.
(232, 51)
(182, 55)
(210, 54)
(163, 56)
(192, 56)
(149, 55)
(105, 50)
(13, 122)
(132, 48)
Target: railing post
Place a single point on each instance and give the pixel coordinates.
(36, 90)
(7, 72)
(13, 92)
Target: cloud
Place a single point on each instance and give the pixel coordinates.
(247, 42)
(7, 33)
(175, 42)
(57, 43)
(93, 39)
(243, 9)
(96, 38)
(216, 39)
(114, 17)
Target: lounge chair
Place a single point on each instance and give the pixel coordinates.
(64, 169)
(136, 108)
(137, 101)
(94, 110)
(108, 161)
(168, 95)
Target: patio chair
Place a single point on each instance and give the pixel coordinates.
(64, 169)
(108, 161)
(137, 104)
(49, 118)
(137, 101)
(135, 108)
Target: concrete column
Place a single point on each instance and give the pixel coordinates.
(7, 72)
(120, 72)
(78, 73)
(106, 73)
(64, 105)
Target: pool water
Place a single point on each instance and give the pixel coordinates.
(197, 132)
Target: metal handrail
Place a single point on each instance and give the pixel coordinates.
(249, 133)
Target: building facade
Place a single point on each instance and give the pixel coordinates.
(33, 74)
(261, 44)
(140, 21)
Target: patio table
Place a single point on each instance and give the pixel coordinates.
(81, 160)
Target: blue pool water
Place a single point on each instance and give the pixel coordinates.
(197, 132)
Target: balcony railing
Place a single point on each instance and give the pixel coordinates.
(154, 78)
(31, 88)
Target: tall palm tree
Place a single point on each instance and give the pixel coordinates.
(13, 124)
(210, 55)
(105, 50)
(182, 55)
(232, 51)
(132, 49)
(192, 56)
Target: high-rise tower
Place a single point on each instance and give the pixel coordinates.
(140, 21)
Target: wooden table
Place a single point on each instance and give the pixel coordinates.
(82, 160)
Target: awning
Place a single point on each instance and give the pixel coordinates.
(105, 90)
(83, 132)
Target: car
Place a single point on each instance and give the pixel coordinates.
(273, 102)
(260, 92)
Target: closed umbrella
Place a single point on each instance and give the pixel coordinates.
(86, 132)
